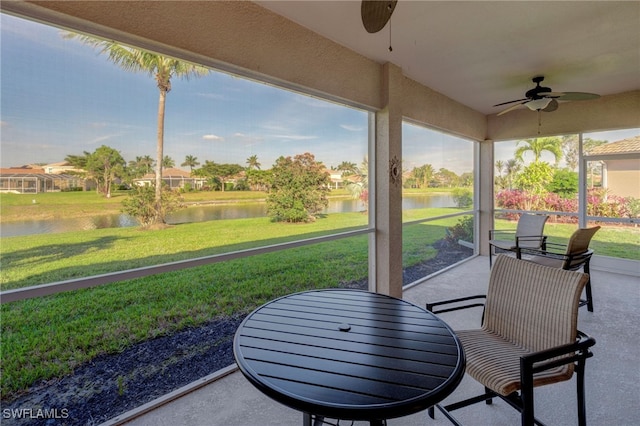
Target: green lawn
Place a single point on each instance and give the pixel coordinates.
(47, 337)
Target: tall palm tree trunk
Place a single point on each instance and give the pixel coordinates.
(159, 155)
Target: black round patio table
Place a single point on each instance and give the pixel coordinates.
(349, 354)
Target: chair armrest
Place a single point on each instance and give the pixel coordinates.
(539, 239)
(549, 249)
(457, 302)
(553, 357)
(549, 252)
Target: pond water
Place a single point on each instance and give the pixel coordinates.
(198, 213)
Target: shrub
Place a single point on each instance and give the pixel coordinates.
(463, 230)
(463, 197)
(298, 190)
(535, 178)
(141, 204)
(564, 183)
(600, 203)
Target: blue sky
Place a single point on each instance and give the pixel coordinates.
(60, 97)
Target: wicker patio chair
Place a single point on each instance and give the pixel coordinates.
(528, 338)
(528, 234)
(572, 256)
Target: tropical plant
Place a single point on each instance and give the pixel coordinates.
(423, 175)
(219, 172)
(463, 197)
(537, 147)
(358, 185)
(564, 183)
(446, 178)
(512, 167)
(259, 180)
(191, 162)
(347, 168)
(463, 230)
(102, 166)
(253, 163)
(298, 190)
(163, 69)
(168, 162)
(535, 178)
(141, 166)
(569, 145)
(142, 205)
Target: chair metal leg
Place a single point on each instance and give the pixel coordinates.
(588, 288)
(488, 391)
(526, 396)
(582, 411)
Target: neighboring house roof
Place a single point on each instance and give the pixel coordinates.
(624, 146)
(20, 171)
(169, 172)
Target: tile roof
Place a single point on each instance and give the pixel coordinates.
(20, 171)
(624, 146)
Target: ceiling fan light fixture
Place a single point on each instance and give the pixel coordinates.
(538, 104)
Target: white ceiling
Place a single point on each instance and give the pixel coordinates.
(481, 53)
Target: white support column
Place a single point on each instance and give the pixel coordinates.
(484, 188)
(388, 185)
(582, 185)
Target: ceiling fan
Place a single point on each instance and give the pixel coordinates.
(541, 98)
(376, 13)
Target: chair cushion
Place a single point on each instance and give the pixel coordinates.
(495, 362)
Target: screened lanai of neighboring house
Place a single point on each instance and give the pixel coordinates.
(33, 182)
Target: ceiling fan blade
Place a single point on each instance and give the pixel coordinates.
(510, 102)
(553, 105)
(511, 108)
(552, 94)
(577, 96)
(375, 14)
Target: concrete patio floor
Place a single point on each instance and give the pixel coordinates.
(612, 375)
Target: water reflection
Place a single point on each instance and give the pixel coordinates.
(199, 213)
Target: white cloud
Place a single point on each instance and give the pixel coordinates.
(212, 137)
(295, 137)
(100, 139)
(352, 128)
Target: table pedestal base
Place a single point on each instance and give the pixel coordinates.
(313, 420)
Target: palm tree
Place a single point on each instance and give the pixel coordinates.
(253, 163)
(512, 167)
(163, 69)
(141, 166)
(168, 162)
(190, 161)
(347, 168)
(359, 187)
(423, 175)
(538, 146)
